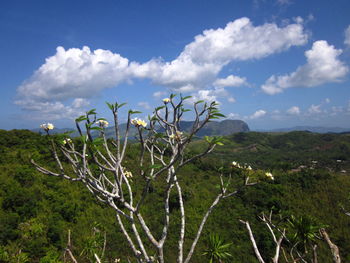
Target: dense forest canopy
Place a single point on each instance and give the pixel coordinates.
(311, 174)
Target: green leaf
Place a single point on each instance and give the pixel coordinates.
(81, 118)
(200, 101)
(98, 141)
(91, 112)
(96, 128)
(208, 139)
(110, 106)
(172, 95)
(121, 105)
(102, 119)
(187, 97)
(159, 108)
(134, 112)
(88, 125)
(219, 115)
(83, 138)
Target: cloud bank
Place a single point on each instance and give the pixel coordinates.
(323, 66)
(83, 73)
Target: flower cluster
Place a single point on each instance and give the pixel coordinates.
(127, 173)
(138, 122)
(102, 123)
(269, 175)
(245, 166)
(47, 126)
(68, 140)
(176, 136)
(166, 100)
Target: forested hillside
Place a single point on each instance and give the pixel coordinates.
(311, 174)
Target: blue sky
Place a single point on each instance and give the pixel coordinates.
(271, 63)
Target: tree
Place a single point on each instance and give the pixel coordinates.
(217, 251)
(100, 165)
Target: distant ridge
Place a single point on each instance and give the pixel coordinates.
(315, 129)
(54, 131)
(213, 128)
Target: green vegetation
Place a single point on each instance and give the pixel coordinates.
(36, 211)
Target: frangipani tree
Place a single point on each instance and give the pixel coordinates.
(99, 164)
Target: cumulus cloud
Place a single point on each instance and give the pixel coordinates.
(144, 105)
(315, 109)
(75, 73)
(230, 81)
(231, 99)
(293, 110)
(323, 66)
(335, 110)
(233, 116)
(51, 110)
(83, 73)
(209, 95)
(159, 94)
(347, 36)
(258, 114)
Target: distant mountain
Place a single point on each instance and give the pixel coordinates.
(55, 131)
(225, 127)
(312, 129)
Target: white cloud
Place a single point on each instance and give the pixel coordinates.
(231, 99)
(240, 40)
(80, 103)
(230, 81)
(258, 114)
(347, 36)
(327, 100)
(293, 110)
(315, 109)
(233, 115)
(51, 111)
(144, 105)
(82, 73)
(209, 95)
(335, 110)
(159, 94)
(75, 73)
(323, 66)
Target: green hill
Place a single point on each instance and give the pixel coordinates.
(36, 211)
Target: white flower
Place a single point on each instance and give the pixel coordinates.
(128, 174)
(166, 100)
(176, 136)
(68, 140)
(47, 126)
(249, 168)
(269, 175)
(102, 123)
(138, 122)
(237, 165)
